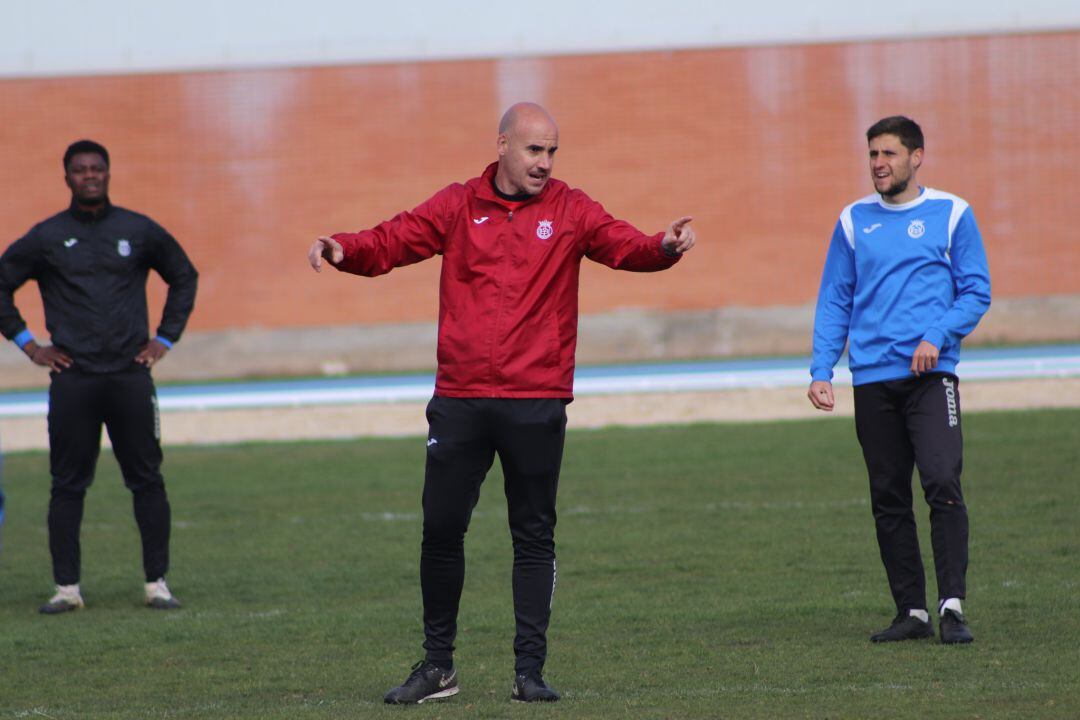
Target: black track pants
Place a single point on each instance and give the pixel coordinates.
(125, 402)
(901, 425)
(465, 435)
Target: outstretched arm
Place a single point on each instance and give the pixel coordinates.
(621, 246)
(404, 239)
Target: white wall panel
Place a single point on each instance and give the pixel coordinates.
(60, 37)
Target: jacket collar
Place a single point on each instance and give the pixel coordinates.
(85, 216)
(485, 187)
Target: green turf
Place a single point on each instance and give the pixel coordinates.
(724, 571)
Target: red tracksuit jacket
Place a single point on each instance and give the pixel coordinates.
(508, 295)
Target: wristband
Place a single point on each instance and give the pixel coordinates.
(23, 338)
(167, 343)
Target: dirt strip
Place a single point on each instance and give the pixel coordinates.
(407, 419)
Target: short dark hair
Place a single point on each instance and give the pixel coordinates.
(905, 128)
(85, 146)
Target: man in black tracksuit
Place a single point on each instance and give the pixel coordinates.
(91, 264)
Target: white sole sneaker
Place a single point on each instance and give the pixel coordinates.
(63, 601)
(159, 597)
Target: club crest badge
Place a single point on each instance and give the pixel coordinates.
(123, 248)
(543, 229)
(916, 229)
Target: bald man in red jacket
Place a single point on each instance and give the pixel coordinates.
(512, 242)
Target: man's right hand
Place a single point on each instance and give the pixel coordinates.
(47, 356)
(821, 395)
(325, 247)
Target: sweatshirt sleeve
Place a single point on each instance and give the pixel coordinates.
(17, 265)
(406, 238)
(172, 264)
(618, 244)
(832, 319)
(971, 281)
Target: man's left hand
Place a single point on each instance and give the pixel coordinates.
(925, 358)
(679, 237)
(154, 351)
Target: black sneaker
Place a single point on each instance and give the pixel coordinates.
(426, 682)
(904, 627)
(954, 629)
(531, 687)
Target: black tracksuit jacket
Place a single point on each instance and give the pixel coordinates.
(92, 271)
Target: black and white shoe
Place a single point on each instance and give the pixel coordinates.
(159, 597)
(904, 627)
(954, 629)
(425, 682)
(66, 599)
(531, 687)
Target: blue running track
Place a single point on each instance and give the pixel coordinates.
(977, 364)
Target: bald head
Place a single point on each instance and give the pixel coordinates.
(523, 113)
(528, 139)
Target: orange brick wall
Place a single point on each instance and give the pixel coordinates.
(762, 145)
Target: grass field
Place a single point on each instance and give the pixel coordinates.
(707, 571)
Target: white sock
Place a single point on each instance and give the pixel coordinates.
(68, 590)
(921, 614)
(950, 604)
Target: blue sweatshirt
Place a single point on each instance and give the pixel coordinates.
(896, 275)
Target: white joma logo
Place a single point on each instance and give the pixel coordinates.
(480, 221)
(950, 402)
(872, 228)
(432, 441)
(70, 241)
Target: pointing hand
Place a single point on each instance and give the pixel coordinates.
(679, 237)
(325, 247)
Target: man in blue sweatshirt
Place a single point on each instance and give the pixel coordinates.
(905, 280)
